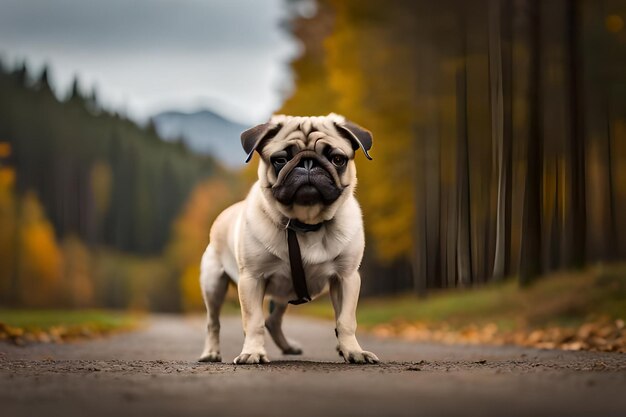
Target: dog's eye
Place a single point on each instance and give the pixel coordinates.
(280, 160)
(338, 160)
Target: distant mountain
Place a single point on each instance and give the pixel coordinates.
(204, 132)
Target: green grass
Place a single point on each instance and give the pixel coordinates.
(42, 320)
(565, 299)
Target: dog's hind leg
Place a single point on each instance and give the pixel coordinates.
(274, 325)
(214, 283)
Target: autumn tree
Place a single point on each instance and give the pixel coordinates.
(498, 130)
(190, 236)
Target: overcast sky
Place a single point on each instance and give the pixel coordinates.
(145, 56)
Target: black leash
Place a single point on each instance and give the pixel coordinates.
(298, 278)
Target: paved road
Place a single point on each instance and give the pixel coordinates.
(153, 372)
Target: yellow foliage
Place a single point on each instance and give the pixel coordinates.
(34, 271)
(39, 257)
(190, 288)
(376, 92)
(359, 76)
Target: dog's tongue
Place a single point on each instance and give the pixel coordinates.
(307, 195)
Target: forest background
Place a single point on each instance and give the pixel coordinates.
(499, 152)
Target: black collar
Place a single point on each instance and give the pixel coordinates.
(300, 227)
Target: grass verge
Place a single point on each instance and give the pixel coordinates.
(20, 326)
(570, 310)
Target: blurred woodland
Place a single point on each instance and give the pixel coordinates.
(94, 209)
(499, 151)
(499, 132)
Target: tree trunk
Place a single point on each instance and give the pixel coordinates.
(497, 134)
(530, 256)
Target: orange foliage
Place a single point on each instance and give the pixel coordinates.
(600, 335)
(5, 149)
(7, 240)
(7, 177)
(190, 235)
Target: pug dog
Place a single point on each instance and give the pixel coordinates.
(306, 182)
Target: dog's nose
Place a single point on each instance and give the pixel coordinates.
(307, 163)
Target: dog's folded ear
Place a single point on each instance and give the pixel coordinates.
(252, 138)
(357, 135)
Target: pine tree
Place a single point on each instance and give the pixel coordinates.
(44, 82)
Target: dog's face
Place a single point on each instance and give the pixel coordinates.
(307, 163)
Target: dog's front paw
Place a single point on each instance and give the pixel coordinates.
(357, 356)
(210, 357)
(251, 358)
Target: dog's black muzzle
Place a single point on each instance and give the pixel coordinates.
(306, 180)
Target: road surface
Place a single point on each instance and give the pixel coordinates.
(153, 372)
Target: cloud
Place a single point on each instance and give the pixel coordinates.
(146, 55)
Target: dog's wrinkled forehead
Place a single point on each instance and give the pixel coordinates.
(311, 133)
(306, 133)
(308, 123)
